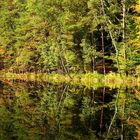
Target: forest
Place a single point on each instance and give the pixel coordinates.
(64, 37)
(69, 69)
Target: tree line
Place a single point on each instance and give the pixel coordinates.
(66, 36)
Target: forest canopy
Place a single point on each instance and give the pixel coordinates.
(65, 36)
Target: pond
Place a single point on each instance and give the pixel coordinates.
(52, 111)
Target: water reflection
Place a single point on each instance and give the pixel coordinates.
(46, 111)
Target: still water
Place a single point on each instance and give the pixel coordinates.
(50, 111)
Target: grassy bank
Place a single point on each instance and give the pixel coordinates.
(89, 79)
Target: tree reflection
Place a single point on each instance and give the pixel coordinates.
(40, 111)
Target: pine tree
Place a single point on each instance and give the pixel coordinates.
(8, 14)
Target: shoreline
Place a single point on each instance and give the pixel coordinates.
(88, 79)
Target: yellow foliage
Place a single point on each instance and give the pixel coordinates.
(1, 51)
(137, 7)
(136, 41)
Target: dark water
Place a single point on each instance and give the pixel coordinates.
(45, 111)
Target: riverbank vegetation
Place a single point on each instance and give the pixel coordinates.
(111, 80)
(70, 40)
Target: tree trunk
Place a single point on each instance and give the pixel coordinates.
(112, 38)
(103, 50)
(93, 61)
(124, 36)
